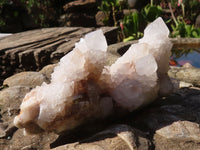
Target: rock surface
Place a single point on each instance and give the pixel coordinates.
(48, 70)
(80, 5)
(186, 74)
(162, 118)
(122, 47)
(10, 100)
(30, 79)
(116, 137)
(35, 142)
(79, 13)
(181, 135)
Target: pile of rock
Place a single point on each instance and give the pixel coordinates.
(171, 122)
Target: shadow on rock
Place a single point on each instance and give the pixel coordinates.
(184, 105)
(174, 115)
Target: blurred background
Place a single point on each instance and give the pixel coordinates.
(131, 16)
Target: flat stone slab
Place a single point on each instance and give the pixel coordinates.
(181, 135)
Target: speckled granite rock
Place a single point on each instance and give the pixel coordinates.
(181, 135)
(30, 79)
(10, 100)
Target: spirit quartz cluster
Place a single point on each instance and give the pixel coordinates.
(83, 88)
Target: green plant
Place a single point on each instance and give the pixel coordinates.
(2, 3)
(181, 29)
(131, 24)
(192, 9)
(41, 11)
(150, 12)
(110, 8)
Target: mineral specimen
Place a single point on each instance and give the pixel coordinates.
(83, 88)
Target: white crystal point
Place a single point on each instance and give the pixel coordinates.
(156, 36)
(96, 40)
(157, 29)
(89, 55)
(146, 66)
(136, 51)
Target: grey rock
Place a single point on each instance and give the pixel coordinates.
(186, 42)
(116, 137)
(184, 84)
(131, 3)
(197, 22)
(10, 100)
(187, 65)
(182, 105)
(111, 58)
(80, 5)
(186, 74)
(76, 19)
(48, 70)
(30, 79)
(181, 135)
(100, 17)
(122, 47)
(39, 141)
(8, 131)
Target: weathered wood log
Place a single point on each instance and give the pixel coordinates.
(32, 50)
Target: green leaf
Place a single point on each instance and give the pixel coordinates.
(130, 38)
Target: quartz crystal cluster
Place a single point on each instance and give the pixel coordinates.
(83, 88)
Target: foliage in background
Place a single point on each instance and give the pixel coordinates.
(111, 8)
(181, 29)
(182, 25)
(2, 3)
(133, 22)
(44, 13)
(150, 12)
(130, 27)
(35, 12)
(189, 9)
